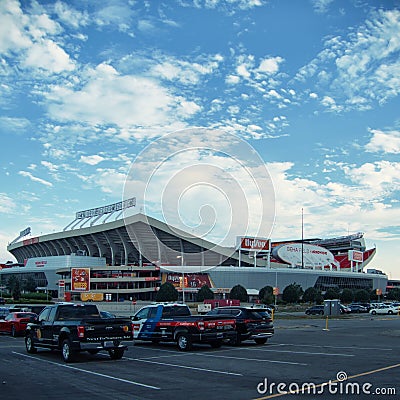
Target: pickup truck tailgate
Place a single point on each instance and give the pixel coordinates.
(105, 329)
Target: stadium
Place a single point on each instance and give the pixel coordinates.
(129, 258)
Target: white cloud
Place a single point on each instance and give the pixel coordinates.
(70, 16)
(337, 207)
(232, 80)
(188, 73)
(270, 65)
(13, 21)
(29, 37)
(7, 204)
(362, 68)
(35, 178)
(387, 142)
(126, 101)
(108, 180)
(92, 160)
(49, 56)
(321, 6)
(50, 166)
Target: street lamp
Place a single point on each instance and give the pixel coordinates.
(183, 279)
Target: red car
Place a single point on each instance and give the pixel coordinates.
(15, 322)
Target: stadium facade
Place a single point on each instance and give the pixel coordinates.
(130, 258)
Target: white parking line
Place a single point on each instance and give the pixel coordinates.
(302, 352)
(184, 366)
(251, 359)
(332, 347)
(88, 372)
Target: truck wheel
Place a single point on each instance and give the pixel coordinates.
(69, 355)
(261, 341)
(184, 342)
(216, 344)
(116, 354)
(30, 347)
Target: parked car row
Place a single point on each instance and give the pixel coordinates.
(372, 308)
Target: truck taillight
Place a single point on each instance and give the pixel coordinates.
(81, 331)
(201, 325)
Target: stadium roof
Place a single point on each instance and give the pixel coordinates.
(118, 241)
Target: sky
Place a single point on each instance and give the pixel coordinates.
(105, 100)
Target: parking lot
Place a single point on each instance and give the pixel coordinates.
(364, 349)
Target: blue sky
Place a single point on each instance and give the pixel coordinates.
(312, 86)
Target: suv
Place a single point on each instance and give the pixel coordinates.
(251, 323)
(315, 310)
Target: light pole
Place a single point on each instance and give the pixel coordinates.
(302, 238)
(183, 279)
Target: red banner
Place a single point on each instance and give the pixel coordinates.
(254, 244)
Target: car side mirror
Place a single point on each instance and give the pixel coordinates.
(134, 318)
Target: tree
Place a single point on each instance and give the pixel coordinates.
(238, 292)
(29, 285)
(205, 293)
(11, 282)
(292, 293)
(373, 295)
(319, 299)
(361, 295)
(347, 296)
(332, 293)
(167, 292)
(266, 295)
(16, 291)
(393, 294)
(310, 295)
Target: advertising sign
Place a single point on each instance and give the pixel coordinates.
(80, 279)
(306, 254)
(254, 244)
(357, 256)
(111, 208)
(191, 281)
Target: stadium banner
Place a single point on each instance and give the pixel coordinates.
(80, 279)
(253, 244)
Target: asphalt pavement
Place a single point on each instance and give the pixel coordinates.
(348, 358)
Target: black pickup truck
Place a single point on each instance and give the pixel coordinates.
(174, 323)
(73, 328)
